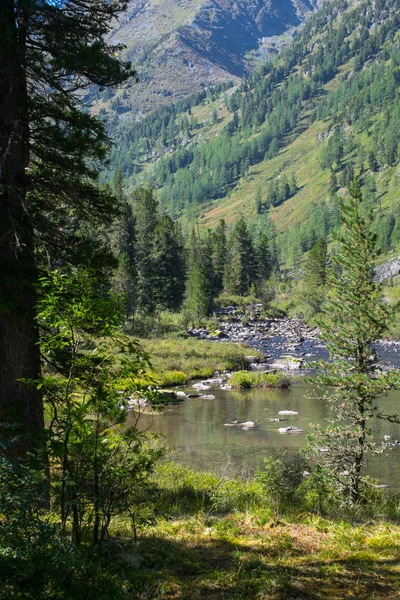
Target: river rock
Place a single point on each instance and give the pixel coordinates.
(201, 386)
(207, 397)
(291, 429)
(287, 412)
(180, 394)
(169, 394)
(248, 424)
(214, 381)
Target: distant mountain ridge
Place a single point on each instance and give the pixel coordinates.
(179, 46)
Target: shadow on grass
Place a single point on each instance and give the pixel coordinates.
(272, 569)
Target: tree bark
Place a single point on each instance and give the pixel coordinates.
(20, 404)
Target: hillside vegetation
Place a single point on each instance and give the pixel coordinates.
(180, 46)
(284, 144)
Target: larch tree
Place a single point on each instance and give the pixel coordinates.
(354, 317)
(50, 151)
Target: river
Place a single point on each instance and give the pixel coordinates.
(196, 429)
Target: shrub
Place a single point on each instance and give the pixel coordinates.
(281, 479)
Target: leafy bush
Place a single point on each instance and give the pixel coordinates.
(36, 559)
(281, 480)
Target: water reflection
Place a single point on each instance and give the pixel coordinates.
(196, 429)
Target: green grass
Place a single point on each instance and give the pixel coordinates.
(249, 379)
(193, 358)
(173, 378)
(221, 540)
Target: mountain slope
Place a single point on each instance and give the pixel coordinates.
(179, 46)
(283, 146)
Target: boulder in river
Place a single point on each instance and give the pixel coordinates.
(201, 386)
(207, 397)
(291, 430)
(287, 412)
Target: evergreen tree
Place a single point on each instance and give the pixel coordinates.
(354, 317)
(264, 258)
(169, 263)
(258, 202)
(219, 254)
(145, 210)
(49, 151)
(315, 276)
(197, 290)
(123, 247)
(241, 269)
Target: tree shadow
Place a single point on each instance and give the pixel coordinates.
(220, 569)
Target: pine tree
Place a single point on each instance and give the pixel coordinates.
(197, 289)
(241, 269)
(169, 263)
(258, 202)
(315, 276)
(264, 258)
(219, 254)
(123, 248)
(49, 151)
(354, 317)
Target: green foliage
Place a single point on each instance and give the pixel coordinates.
(311, 290)
(36, 559)
(354, 317)
(98, 465)
(158, 256)
(280, 479)
(250, 379)
(241, 267)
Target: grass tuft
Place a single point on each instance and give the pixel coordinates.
(245, 380)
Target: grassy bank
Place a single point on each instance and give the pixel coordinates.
(232, 540)
(176, 360)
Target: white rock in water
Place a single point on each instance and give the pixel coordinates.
(287, 412)
(201, 386)
(290, 429)
(207, 397)
(180, 394)
(248, 424)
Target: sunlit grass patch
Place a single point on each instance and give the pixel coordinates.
(249, 379)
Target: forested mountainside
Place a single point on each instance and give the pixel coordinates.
(180, 46)
(280, 147)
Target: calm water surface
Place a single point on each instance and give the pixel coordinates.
(195, 429)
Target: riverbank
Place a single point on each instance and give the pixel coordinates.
(285, 343)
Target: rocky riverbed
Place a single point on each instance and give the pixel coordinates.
(287, 344)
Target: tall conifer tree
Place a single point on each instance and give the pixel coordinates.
(354, 317)
(49, 151)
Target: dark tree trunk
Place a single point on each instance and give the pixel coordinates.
(19, 350)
